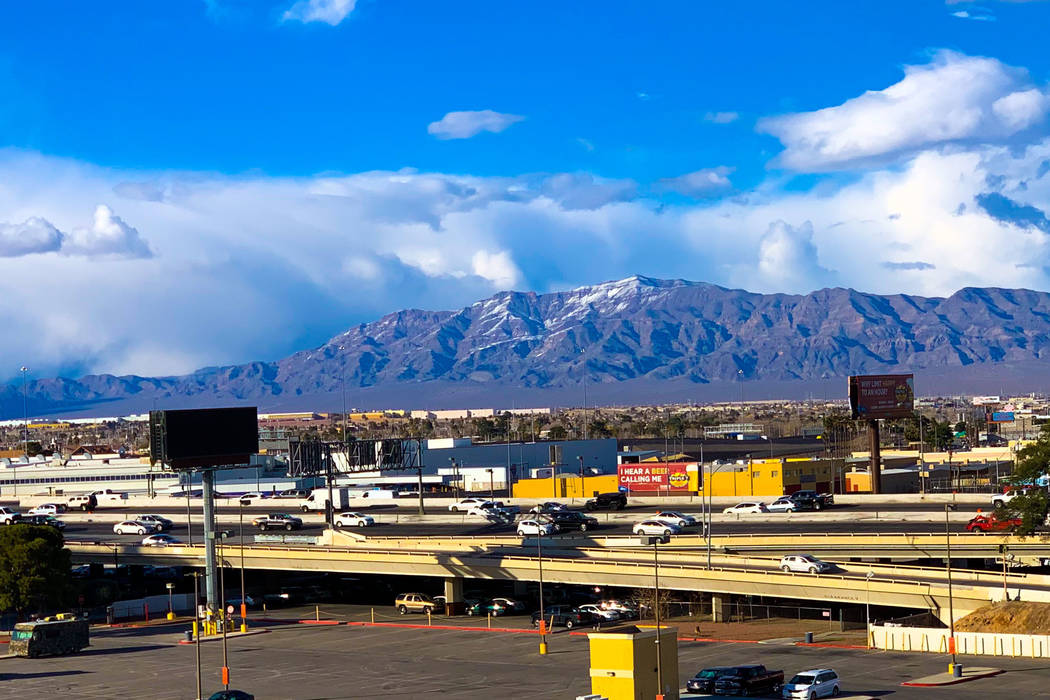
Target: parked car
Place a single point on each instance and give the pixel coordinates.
(747, 507)
(414, 602)
(133, 527)
(598, 612)
(231, 694)
(278, 521)
(354, 520)
(659, 528)
(675, 518)
(804, 563)
(159, 540)
(627, 610)
(9, 515)
(784, 504)
(47, 509)
(465, 504)
(704, 680)
(85, 503)
(607, 501)
(496, 607)
(250, 498)
(572, 520)
(562, 616)
(161, 523)
(548, 507)
(753, 679)
(808, 685)
(532, 527)
(991, 522)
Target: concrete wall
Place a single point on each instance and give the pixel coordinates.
(158, 605)
(935, 641)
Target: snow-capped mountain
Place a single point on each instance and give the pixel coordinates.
(638, 332)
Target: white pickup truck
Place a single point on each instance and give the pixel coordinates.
(8, 515)
(108, 496)
(1001, 500)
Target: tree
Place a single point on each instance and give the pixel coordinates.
(1032, 463)
(35, 568)
(557, 432)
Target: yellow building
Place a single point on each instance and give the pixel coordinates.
(772, 477)
(565, 486)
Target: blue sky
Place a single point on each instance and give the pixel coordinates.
(319, 163)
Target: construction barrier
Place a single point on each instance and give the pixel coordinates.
(936, 641)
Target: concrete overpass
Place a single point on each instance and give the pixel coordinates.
(679, 569)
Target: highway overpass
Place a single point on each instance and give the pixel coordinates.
(680, 568)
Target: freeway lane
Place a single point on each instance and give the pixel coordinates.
(104, 531)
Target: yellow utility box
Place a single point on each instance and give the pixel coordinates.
(624, 663)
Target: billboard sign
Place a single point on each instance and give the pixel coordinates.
(208, 437)
(654, 476)
(881, 396)
(1002, 417)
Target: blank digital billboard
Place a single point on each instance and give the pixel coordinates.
(881, 396)
(205, 437)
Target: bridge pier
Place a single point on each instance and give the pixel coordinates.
(454, 603)
(721, 607)
(211, 570)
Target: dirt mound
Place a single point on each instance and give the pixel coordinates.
(1014, 617)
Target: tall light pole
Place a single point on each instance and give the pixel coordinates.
(951, 604)
(867, 605)
(583, 491)
(197, 627)
(25, 425)
(222, 612)
(655, 541)
(244, 600)
(543, 621)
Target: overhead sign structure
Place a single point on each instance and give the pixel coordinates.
(873, 396)
(1002, 417)
(654, 476)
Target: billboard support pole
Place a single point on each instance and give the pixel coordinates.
(211, 571)
(875, 470)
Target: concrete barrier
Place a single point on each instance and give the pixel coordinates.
(935, 641)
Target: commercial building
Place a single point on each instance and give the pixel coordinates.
(772, 477)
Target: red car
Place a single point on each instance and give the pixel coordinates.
(991, 523)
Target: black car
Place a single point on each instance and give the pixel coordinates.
(48, 520)
(704, 681)
(608, 501)
(562, 616)
(571, 520)
(814, 500)
(231, 695)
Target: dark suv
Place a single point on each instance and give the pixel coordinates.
(562, 616)
(571, 520)
(813, 500)
(608, 501)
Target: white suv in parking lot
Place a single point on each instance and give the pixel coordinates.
(808, 685)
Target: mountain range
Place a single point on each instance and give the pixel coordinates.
(636, 340)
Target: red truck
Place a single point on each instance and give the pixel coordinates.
(991, 523)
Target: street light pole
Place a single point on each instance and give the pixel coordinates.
(867, 605)
(543, 621)
(951, 604)
(656, 609)
(583, 491)
(171, 605)
(222, 607)
(197, 628)
(244, 600)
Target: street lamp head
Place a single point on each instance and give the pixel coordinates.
(950, 506)
(870, 575)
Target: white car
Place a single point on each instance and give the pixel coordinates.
(8, 515)
(807, 685)
(467, 504)
(354, 520)
(605, 614)
(549, 507)
(45, 509)
(784, 504)
(159, 540)
(655, 527)
(803, 563)
(534, 527)
(747, 507)
(249, 498)
(133, 527)
(675, 518)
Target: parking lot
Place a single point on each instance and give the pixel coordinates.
(305, 662)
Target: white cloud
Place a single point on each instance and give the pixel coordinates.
(463, 125)
(235, 257)
(721, 117)
(498, 268)
(976, 16)
(955, 99)
(700, 183)
(34, 235)
(108, 236)
(328, 11)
